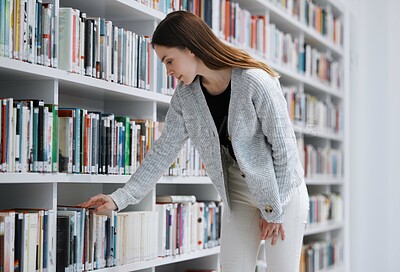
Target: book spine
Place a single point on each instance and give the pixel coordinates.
(55, 139)
(88, 47)
(38, 53)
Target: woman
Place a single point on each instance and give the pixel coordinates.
(232, 108)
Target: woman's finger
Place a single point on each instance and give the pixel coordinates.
(103, 210)
(263, 229)
(93, 201)
(269, 232)
(282, 231)
(275, 234)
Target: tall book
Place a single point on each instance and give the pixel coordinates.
(126, 123)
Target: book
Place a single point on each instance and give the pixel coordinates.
(175, 198)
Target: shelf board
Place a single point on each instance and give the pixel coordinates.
(184, 180)
(163, 261)
(337, 6)
(312, 132)
(11, 69)
(286, 22)
(75, 84)
(323, 180)
(281, 16)
(309, 83)
(22, 178)
(116, 10)
(322, 227)
(293, 77)
(15, 178)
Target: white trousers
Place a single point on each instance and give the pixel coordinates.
(240, 237)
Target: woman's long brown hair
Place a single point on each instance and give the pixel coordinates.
(183, 29)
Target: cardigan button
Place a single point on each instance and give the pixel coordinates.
(229, 138)
(268, 209)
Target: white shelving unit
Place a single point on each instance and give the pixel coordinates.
(285, 22)
(24, 80)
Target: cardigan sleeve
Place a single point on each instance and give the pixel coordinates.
(271, 110)
(157, 160)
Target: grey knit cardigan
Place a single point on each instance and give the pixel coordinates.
(262, 137)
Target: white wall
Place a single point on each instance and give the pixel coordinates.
(375, 136)
(393, 135)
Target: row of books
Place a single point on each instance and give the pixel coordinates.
(26, 240)
(165, 84)
(94, 47)
(316, 16)
(91, 46)
(321, 256)
(256, 34)
(325, 208)
(39, 137)
(27, 31)
(102, 143)
(219, 14)
(26, 140)
(187, 163)
(186, 225)
(88, 241)
(308, 111)
(320, 161)
(288, 51)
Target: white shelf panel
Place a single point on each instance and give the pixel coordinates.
(285, 21)
(184, 180)
(312, 132)
(324, 180)
(7, 178)
(11, 69)
(119, 10)
(337, 5)
(163, 261)
(315, 229)
(15, 178)
(311, 35)
(309, 83)
(295, 77)
(75, 84)
(322, 227)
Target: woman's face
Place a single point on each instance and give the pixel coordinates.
(180, 63)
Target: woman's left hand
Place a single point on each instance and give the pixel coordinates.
(268, 230)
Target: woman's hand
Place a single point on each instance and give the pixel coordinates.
(269, 230)
(104, 204)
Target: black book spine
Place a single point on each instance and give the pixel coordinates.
(88, 47)
(63, 255)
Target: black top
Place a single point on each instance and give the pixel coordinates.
(219, 108)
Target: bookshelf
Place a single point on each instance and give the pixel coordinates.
(25, 80)
(22, 80)
(317, 183)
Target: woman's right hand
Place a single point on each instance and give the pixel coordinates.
(104, 204)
